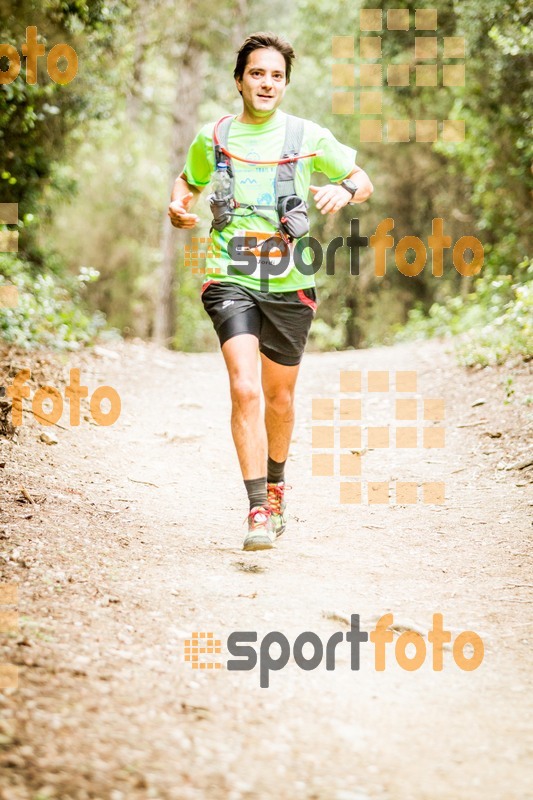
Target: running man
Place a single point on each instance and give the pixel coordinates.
(248, 319)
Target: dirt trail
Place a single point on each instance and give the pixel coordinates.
(134, 542)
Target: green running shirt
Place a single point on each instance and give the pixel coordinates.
(255, 185)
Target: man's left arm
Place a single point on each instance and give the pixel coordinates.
(332, 197)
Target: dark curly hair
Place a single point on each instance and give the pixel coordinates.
(264, 39)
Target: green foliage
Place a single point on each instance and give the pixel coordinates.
(114, 224)
(35, 123)
(494, 322)
(509, 390)
(497, 105)
(480, 187)
(324, 336)
(49, 312)
(194, 331)
(35, 118)
(88, 164)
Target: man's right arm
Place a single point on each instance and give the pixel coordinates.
(183, 198)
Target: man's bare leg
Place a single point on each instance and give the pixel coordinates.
(247, 425)
(278, 383)
(249, 435)
(278, 387)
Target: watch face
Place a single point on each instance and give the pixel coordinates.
(350, 186)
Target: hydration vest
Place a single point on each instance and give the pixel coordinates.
(291, 211)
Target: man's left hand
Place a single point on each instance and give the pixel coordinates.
(333, 196)
(330, 198)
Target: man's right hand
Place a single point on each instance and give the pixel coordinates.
(179, 214)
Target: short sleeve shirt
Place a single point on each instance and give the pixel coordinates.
(255, 184)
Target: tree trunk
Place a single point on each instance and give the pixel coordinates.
(135, 88)
(240, 22)
(184, 124)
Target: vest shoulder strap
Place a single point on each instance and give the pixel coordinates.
(223, 135)
(223, 131)
(286, 173)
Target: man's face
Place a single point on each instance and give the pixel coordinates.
(263, 83)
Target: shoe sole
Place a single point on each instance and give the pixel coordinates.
(258, 543)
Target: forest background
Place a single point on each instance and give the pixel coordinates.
(90, 165)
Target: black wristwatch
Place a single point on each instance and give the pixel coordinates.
(350, 187)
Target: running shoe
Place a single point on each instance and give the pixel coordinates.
(261, 534)
(277, 505)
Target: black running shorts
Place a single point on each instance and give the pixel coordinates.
(280, 320)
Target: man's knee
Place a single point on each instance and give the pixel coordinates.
(279, 400)
(245, 391)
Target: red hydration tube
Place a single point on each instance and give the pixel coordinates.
(251, 160)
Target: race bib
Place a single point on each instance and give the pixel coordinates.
(267, 253)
